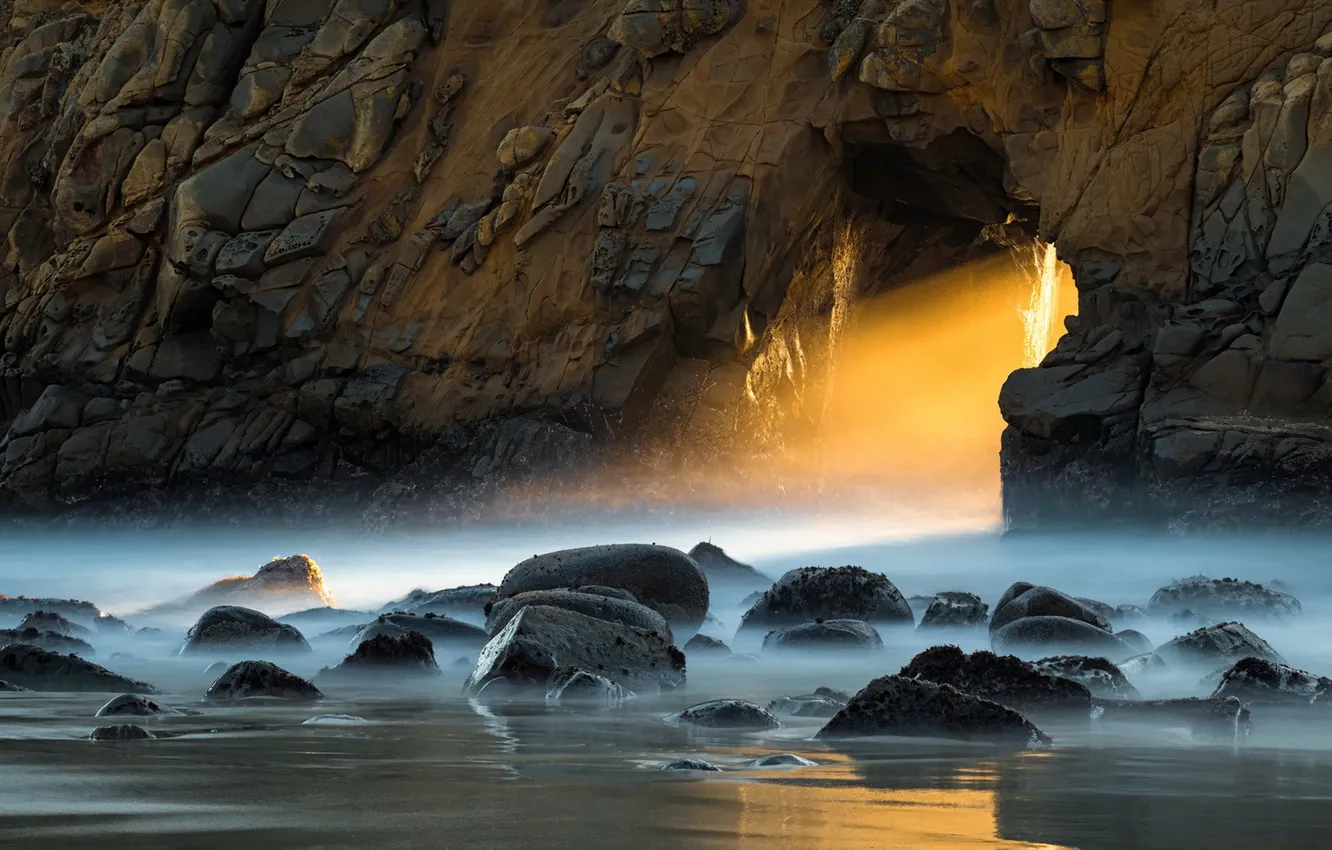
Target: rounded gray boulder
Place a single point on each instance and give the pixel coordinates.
(809, 594)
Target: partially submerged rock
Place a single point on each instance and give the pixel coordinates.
(1023, 600)
(1099, 675)
(664, 579)
(230, 628)
(895, 705)
(540, 639)
(1257, 680)
(700, 644)
(806, 705)
(442, 632)
(398, 655)
(1216, 646)
(53, 641)
(782, 760)
(1001, 678)
(571, 685)
(260, 679)
(601, 606)
(1223, 720)
(691, 764)
(135, 705)
(122, 732)
(955, 609)
(42, 670)
(726, 714)
(291, 583)
(828, 635)
(1036, 637)
(808, 594)
(1224, 598)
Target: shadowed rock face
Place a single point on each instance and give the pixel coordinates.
(283, 254)
(260, 679)
(1001, 678)
(410, 653)
(42, 670)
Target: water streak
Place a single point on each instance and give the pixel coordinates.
(1039, 314)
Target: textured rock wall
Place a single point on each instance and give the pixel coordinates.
(300, 250)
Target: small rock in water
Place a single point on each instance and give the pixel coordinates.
(611, 608)
(442, 632)
(726, 714)
(43, 670)
(123, 732)
(825, 635)
(1100, 676)
(1004, 679)
(691, 764)
(806, 705)
(783, 760)
(572, 685)
(335, 720)
(894, 705)
(410, 653)
(701, 644)
(135, 705)
(809, 594)
(954, 609)
(250, 679)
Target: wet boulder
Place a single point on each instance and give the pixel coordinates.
(664, 579)
(781, 760)
(701, 644)
(409, 654)
(896, 705)
(1003, 679)
(134, 705)
(442, 632)
(725, 574)
(262, 680)
(824, 702)
(691, 764)
(1223, 599)
(1257, 680)
(462, 603)
(1023, 600)
(602, 606)
(54, 641)
(954, 609)
(50, 621)
(726, 714)
(824, 636)
(573, 686)
(43, 670)
(229, 628)
(122, 732)
(1216, 646)
(1036, 637)
(1099, 675)
(540, 639)
(809, 594)
(1219, 720)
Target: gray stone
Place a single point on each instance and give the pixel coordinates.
(218, 194)
(828, 593)
(1023, 600)
(622, 611)
(133, 705)
(955, 609)
(443, 632)
(192, 356)
(1302, 331)
(273, 204)
(236, 629)
(572, 686)
(1038, 637)
(244, 255)
(726, 714)
(308, 236)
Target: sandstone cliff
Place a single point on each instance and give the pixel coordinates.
(301, 250)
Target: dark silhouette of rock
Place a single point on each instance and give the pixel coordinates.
(42, 670)
(408, 654)
(541, 639)
(1223, 599)
(1036, 637)
(260, 679)
(999, 678)
(603, 607)
(573, 686)
(691, 764)
(1216, 646)
(229, 628)
(702, 645)
(824, 636)
(50, 621)
(283, 583)
(726, 714)
(1022, 601)
(442, 632)
(895, 705)
(1100, 676)
(664, 579)
(133, 705)
(955, 609)
(1257, 680)
(54, 641)
(808, 594)
(123, 732)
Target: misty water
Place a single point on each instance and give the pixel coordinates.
(428, 768)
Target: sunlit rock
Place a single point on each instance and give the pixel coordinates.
(282, 584)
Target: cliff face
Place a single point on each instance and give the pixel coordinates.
(300, 249)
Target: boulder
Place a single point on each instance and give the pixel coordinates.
(54, 641)
(1003, 679)
(123, 732)
(260, 679)
(42, 670)
(1210, 719)
(781, 760)
(1136, 640)
(822, 703)
(1101, 609)
(1257, 680)
(1037, 601)
(1215, 647)
(826, 635)
(442, 632)
(132, 705)
(701, 644)
(1035, 637)
(50, 621)
(726, 714)
(571, 685)
(284, 583)
(954, 609)
(1223, 599)
(664, 579)
(808, 594)
(541, 639)
(1099, 675)
(603, 607)
(410, 653)
(895, 705)
(230, 628)
(463, 603)
(724, 573)
(691, 764)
